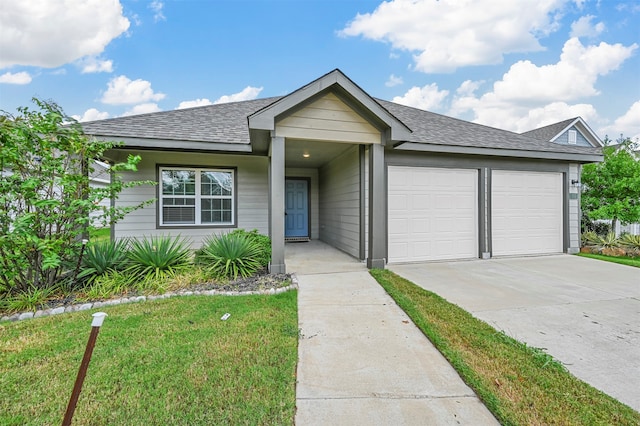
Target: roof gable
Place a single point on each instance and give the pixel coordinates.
(557, 131)
(346, 90)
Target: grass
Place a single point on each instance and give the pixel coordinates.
(520, 385)
(170, 361)
(629, 261)
(100, 234)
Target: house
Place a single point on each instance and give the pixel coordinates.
(380, 181)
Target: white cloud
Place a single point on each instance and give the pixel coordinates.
(628, 124)
(52, 33)
(156, 6)
(529, 96)
(122, 91)
(445, 35)
(92, 64)
(247, 94)
(143, 109)
(21, 77)
(584, 28)
(468, 87)
(427, 97)
(393, 81)
(194, 103)
(92, 114)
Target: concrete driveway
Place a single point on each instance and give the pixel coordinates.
(584, 312)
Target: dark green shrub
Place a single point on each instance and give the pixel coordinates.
(263, 242)
(230, 255)
(157, 258)
(103, 256)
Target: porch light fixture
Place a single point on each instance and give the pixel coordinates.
(576, 183)
(306, 155)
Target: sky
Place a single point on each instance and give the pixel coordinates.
(515, 65)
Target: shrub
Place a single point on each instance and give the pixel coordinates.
(104, 256)
(157, 258)
(631, 243)
(263, 242)
(29, 300)
(230, 255)
(107, 285)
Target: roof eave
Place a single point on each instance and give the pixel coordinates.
(148, 143)
(543, 155)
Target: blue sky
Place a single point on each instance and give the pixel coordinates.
(515, 65)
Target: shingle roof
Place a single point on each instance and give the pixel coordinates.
(221, 123)
(227, 123)
(437, 129)
(547, 133)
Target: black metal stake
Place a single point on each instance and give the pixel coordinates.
(98, 318)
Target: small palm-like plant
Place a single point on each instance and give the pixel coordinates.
(157, 258)
(632, 244)
(230, 255)
(591, 239)
(102, 257)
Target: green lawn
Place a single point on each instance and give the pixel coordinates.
(166, 362)
(100, 234)
(521, 385)
(629, 261)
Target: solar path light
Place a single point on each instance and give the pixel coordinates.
(98, 318)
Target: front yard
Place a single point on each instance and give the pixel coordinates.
(171, 361)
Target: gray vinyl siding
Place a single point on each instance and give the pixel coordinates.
(251, 199)
(313, 194)
(563, 139)
(574, 209)
(340, 202)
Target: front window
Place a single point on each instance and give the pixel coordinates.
(194, 196)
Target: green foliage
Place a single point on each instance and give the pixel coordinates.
(104, 256)
(612, 188)
(632, 244)
(157, 258)
(230, 255)
(28, 300)
(45, 196)
(263, 242)
(105, 286)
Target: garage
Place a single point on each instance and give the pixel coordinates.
(432, 214)
(526, 213)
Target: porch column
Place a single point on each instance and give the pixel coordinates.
(276, 205)
(377, 205)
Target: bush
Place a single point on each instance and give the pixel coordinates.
(631, 243)
(157, 258)
(263, 242)
(104, 256)
(230, 255)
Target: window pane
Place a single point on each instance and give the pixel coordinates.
(178, 182)
(216, 183)
(216, 210)
(183, 215)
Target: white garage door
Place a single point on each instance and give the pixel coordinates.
(433, 214)
(526, 212)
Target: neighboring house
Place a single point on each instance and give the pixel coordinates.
(99, 178)
(380, 181)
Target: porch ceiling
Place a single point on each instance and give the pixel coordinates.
(319, 153)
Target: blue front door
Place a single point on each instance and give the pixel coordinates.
(296, 208)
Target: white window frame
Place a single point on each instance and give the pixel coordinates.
(572, 137)
(198, 198)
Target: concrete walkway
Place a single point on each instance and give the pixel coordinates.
(361, 360)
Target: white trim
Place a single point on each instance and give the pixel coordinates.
(590, 135)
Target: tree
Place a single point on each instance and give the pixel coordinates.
(45, 196)
(611, 189)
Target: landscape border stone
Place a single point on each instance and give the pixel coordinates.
(20, 316)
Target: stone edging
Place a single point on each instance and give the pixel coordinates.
(111, 302)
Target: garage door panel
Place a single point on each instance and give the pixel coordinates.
(526, 212)
(440, 214)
